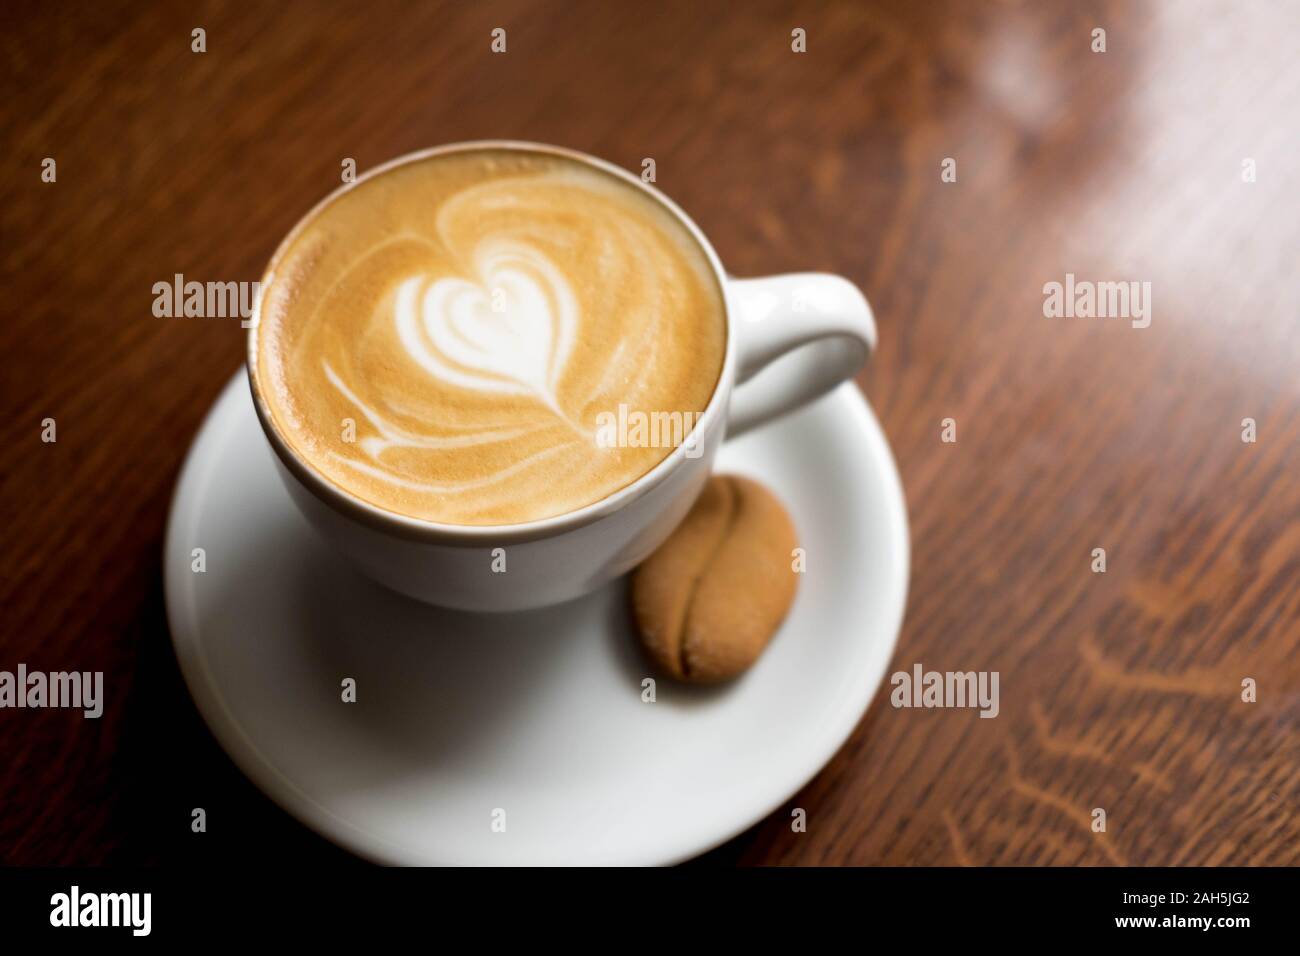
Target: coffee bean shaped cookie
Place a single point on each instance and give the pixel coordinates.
(709, 600)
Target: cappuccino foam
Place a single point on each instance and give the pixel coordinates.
(440, 339)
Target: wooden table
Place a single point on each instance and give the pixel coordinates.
(1120, 691)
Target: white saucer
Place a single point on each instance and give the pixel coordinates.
(538, 714)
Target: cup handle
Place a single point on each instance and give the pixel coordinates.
(798, 336)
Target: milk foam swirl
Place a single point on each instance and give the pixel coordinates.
(471, 315)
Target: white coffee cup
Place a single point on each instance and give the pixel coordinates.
(790, 339)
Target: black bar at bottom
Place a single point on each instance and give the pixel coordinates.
(212, 906)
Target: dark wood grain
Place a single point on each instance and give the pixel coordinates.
(1119, 690)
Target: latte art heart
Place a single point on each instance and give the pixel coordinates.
(440, 339)
(511, 332)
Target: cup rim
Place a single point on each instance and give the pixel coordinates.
(408, 526)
